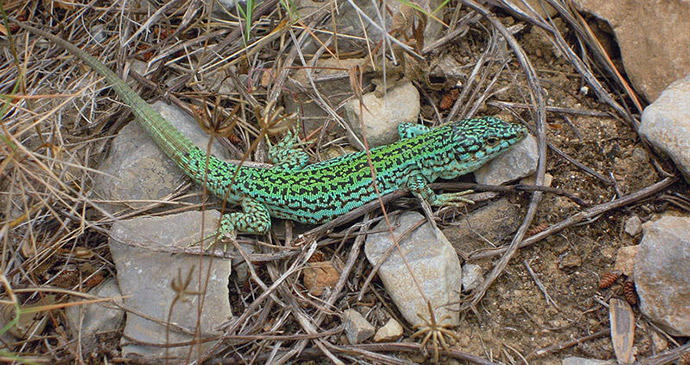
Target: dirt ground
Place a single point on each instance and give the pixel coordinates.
(514, 320)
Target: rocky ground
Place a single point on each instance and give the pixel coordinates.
(90, 208)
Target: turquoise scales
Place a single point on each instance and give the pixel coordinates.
(315, 193)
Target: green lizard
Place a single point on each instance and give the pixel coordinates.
(319, 192)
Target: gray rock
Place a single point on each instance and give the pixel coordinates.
(330, 77)
(653, 38)
(491, 223)
(381, 116)
(226, 9)
(520, 161)
(87, 320)
(633, 225)
(472, 276)
(357, 328)
(584, 361)
(148, 277)
(239, 266)
(662, 273)
(349, 21)
(433, 262)
(391, 331)
(136, 169)
(666, 124)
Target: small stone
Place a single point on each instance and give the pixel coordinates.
(357, 328)
(531, 180)
(662, 273)
(381, 116)
(570, 261)
(625, 260)
(472, 276)
(87, 320)
(493, 222)
(26, 323)
(583, 361)
(391, 331)
(633, 225)
(239, 266)
(433, 262)
(518, 162)
(666, 123)
(660, 342)
(319, 276)
(640, 155)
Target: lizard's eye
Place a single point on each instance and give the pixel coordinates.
(491, 141)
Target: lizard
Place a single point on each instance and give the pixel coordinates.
(316, 193)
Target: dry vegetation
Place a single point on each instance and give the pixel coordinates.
(57, 120)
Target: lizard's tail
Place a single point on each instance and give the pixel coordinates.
(167, 137)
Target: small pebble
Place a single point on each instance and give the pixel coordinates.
(472, 276)
(357, 328)
(391, 331)
(633, 226)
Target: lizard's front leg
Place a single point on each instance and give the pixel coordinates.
(286, 156)
(417, 184)
(254, 219)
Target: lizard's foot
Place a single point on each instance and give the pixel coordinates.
(453, 199)
(436, 332)
(254, 219)
(214, 238)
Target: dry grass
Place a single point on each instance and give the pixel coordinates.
(58, 118)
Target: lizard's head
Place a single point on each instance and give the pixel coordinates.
(481, 139)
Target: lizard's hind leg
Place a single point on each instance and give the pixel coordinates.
(254, 219)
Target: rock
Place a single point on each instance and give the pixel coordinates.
(391, 331)
(633, 225)
(357, 328)
(493, 222)
(142, 68)
(225, 9)
(382, 115)
(666, 123)
(239, 266)
(584, 361)
(520, 161)
(570, 261)
(87, 320)
(625, 260)
(136, 169)
(28, 322)
(330, 77)
(151, 281)
(532, 180)
(659, 342)
(472, 276)
(653, 37)
(662, 273)
(319, 276)
(349, 21)
(433, 263)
